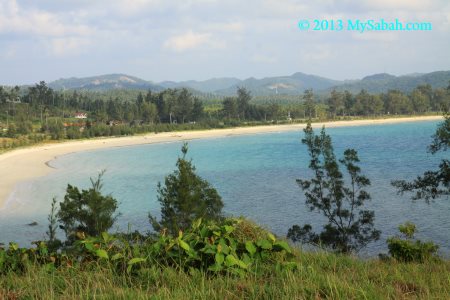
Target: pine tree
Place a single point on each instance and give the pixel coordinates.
(185, 197)
(349, 227)
(432, 184)
(87, 211)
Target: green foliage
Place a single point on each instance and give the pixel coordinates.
(243, 99)
(53, 242)
(214, 248)
(132, 111)
(408, 229)
(185, 197)
(24, 127)
(349, 227)
(56, 129)
(73, 133)
(407, 249)
(310, 108)
(12, 130)
(317, 276)
(19, 260)
(432, 184)
(87, 211)
(208, 247)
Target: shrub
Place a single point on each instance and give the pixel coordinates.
(185, 197)
(87, 211)
(73, 133)
(408, 249)
(350, 227)
(206, 246)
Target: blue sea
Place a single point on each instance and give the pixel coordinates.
(254, 174)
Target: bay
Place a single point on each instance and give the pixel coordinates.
(255, 174)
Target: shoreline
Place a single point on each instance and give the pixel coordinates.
(33, 162)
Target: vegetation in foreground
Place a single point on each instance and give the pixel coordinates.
(316, 276)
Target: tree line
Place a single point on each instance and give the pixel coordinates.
(40, 109)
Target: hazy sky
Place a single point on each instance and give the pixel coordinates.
(200, 39)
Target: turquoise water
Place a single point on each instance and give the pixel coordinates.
(255, 174)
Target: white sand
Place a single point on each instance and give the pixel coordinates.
(29, 163)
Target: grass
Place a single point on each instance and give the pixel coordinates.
(318, 276)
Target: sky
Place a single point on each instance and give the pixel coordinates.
(161, 40)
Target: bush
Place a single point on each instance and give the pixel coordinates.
(87, 211)
(206, 246)
(56, 129)
(408, 249)
(185, 197)
(24, 127)
(73, 133)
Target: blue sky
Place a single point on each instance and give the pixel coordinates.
(199, 39)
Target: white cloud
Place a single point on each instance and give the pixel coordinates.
(69, 46)
(227, 27)
(408, 5)
(382, 36)
(191, 40)
(8, 53)
(283, 8)
(233, 37)
(130, 8)
(266, 59)
(15, 19)
(317, 53)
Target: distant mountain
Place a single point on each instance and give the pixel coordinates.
(294, 84)
(290, 85)
(206, 86)
(104, 83)
(380, 83)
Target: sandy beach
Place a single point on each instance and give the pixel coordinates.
(29, 163)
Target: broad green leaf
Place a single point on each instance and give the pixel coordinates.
(271, 237)
(105, 237)
(228, 229)
(241, 264)
(225, 249)
(204, 232)
(184, 245)
(230, 261)
(215, 268)
(282, 245)
(13, 246)
(117, 256)
(136, 260)
(220, 258)
(101, 253)
(246, 259)
(89, 246)
(264, 244)
(196, 223)
(250, 247)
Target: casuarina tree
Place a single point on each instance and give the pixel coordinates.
(432, 184)
(87, 211)
(350, 227)
(185, 197)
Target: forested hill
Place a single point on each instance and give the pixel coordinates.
(291, 85)
(104, 83)
(381, 83)
(282, 85)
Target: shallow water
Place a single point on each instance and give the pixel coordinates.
(255, 174)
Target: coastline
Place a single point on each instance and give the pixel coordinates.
(32, 162)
